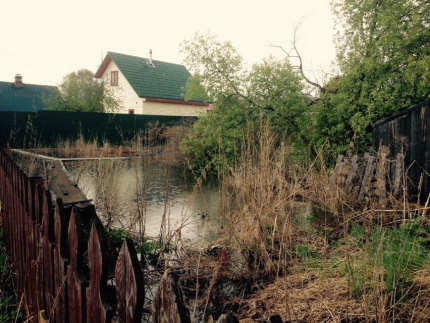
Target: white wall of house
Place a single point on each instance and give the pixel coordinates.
(130, 101)
(128, 98)
(167, 109)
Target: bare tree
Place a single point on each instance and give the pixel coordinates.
(293, 53)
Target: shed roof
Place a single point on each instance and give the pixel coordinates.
(163, 80)
(28, 98)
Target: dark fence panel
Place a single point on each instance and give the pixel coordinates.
(28, 129)
(407, 132)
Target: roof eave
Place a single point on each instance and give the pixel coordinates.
(171, 101)
(103, 66)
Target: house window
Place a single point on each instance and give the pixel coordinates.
(114, 78)
(130, 111)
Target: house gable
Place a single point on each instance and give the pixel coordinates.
(129, 100)
(162, 81)
(152, 89)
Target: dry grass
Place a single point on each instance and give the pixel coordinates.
(305, 297)
(374, 279)
(260, 204)
(170, 154)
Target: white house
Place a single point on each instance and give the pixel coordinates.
(150, 87)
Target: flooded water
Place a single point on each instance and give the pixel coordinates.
(169, 200)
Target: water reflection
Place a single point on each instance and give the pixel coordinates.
(135, 187)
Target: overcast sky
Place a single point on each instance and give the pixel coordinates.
(45, 39)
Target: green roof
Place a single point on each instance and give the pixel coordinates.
(163, 80)
(25, 99)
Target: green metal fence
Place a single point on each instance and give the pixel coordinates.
(45, 128)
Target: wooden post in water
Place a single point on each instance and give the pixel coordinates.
(169, 305)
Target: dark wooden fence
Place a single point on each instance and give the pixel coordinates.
(61, 259)
(407, 133)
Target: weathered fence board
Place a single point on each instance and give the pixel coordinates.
(371, 177)
(368, 174)
(99, 309)
(60, 263)
(47, 256)
(75, 279)
(407, 132)
(169, 305)
(129, 284)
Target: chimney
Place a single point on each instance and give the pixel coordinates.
(150, 63)
(18, 81)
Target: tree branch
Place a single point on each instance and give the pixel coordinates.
(299, 57)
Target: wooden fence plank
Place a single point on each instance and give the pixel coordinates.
(98, 307)
(338, 171)
(398, 174)
(40, 286)
(129, 284)
(20, 247)
(352, 177)
(48, 252)
(382, 171)
(60, 263)
(75, 279)
(29, 225)
(19, 220)
(169, 305)
(367, 178)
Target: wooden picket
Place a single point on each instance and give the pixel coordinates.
(75, 277)
(129, 284)
(98, 306)
(60, 259)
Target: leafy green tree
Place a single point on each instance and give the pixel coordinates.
(383, 55)
(216, 138)
(80, 92)
(270, 92)
(216, 66)
(276, 89)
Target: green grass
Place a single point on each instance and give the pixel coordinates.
(388, 259)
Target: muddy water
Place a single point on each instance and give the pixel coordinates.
(169, 198)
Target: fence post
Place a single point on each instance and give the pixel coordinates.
(169, 305)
